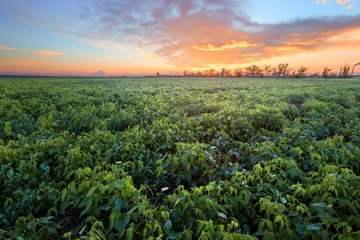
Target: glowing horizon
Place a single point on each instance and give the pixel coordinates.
(117, 37)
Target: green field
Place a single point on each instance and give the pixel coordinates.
(179, 158)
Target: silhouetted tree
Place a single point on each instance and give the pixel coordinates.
(344, 71)
(301, 72)
(212, 72)
(238, 72)
(274, 71)
(325, 73)
(283, 69)
(223, 72)
(267, 70)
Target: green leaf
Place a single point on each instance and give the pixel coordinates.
(246, 228)
(131, 210)
(129, 234)
(283, 200)
(167, 226)
(320, 205)
(126, 220)
(182, 197)
(91, 191)
(119, 183)
(220, 214)
(119, 204)
(112, 219)
(52, 230)
(278, 218)
(119, 225)
(63, 194)
(313, 227)
(275, 191)
(293, 213)
(89, 202)
(64, 205)
(343, 202)
(280, 209)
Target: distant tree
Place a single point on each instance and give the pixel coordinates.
(238, 72)
(325, 73)
(158, 74)
(223, 72)
(301, 72)
(267, 70)
(248, 71)
(344, 71)
(259, 71)
(207, 72)
(186, 73)
(198, 74)
(283, 69)
(274, 71)
(228, 73)
(212, 72)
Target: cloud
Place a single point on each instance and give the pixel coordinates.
(13, 49)
(34, 51)
(198, 33)
(223, 46)
(343, 2)
(45, 52)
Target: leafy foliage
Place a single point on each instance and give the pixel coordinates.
(179, 158)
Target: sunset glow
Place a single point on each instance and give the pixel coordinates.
(233, 44)
(118, 37)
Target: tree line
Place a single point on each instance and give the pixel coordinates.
(280, 70)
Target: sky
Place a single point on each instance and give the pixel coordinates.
(143, 37)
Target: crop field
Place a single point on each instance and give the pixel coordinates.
(179, 158)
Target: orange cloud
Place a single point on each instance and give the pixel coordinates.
(14, 49)
(34, 51)
(290, 49)
(46, 52)
(233, 44)
(338, 1)
(298, 42)
(344, 1)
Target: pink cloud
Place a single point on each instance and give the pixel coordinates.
(34, 51)
(338, 1)
(344, 1)
(45, 52)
